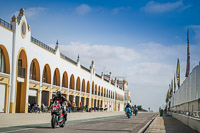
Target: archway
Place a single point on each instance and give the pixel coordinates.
(33, 93)
(78, 84)
(4, 60)
(95, 90)
(72, 82)
(46, 76)
(56, 77)
(34, 70)
(4, 88)
(21, 106)
(92, 87)
(83, 85)
(104, 92)
(88, 87)
(99, 91)
(65, 80)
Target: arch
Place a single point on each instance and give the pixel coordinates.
(56, 77)
(4, 57)
(107, 93)
(20, 93)
(88, 87)
(92, 87)
(34, 70)
(95, 89)
(46, 76)
(72, 82)
(104, 92)
(99, 90)
(65, 80)
(83, 85)
(78, 84)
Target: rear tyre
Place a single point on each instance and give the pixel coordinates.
(53, 121)
(128, 114)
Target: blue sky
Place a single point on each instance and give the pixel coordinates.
(140, 40)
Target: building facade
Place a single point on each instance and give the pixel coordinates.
(32, 72)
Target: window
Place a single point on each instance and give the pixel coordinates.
(45, 75)
(33, 71)
(55, 78)
(2, 61)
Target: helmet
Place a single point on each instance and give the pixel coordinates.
(58, 93)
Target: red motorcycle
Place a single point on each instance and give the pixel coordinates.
(57, 114)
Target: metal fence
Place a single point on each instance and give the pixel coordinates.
(67, 58)
(85, 68)
(42, 45)
(5, 24)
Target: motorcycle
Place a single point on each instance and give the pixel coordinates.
(128, 112)
(57, 115)
(135, 111)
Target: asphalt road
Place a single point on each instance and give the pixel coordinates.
(120, 124)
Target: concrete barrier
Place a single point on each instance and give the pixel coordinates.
(192, 122)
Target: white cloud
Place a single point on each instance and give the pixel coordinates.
(148, 67)
(154, 7)
(119, 9)
(83, 9)
(196, 29)
(35, 12)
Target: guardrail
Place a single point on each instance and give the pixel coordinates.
(98, 75)
(68, 59)
(42, 45)
(5, 24)
(85, 68)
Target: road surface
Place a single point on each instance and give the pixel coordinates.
(120, 124)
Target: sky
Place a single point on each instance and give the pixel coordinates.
(139, 40)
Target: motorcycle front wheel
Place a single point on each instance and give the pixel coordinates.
(63, 123)
(53, 121)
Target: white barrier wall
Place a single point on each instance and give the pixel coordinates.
(189, 89)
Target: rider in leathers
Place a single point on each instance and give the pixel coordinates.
(62, 99)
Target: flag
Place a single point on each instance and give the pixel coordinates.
(174, 84)
(178, 73)
(172, 87)
(188, 56)
(167, 97)
(170, 91)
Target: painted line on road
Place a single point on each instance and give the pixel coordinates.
(34, 126)
(142, 130)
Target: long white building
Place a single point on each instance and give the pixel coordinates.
(32, 72)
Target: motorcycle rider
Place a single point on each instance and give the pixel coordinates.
(128, 106)
(62, 99)
(135, 110)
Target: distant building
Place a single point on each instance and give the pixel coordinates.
(31, 72)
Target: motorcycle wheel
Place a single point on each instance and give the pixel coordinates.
(128, 114)
(63, 123)
(53, 121)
